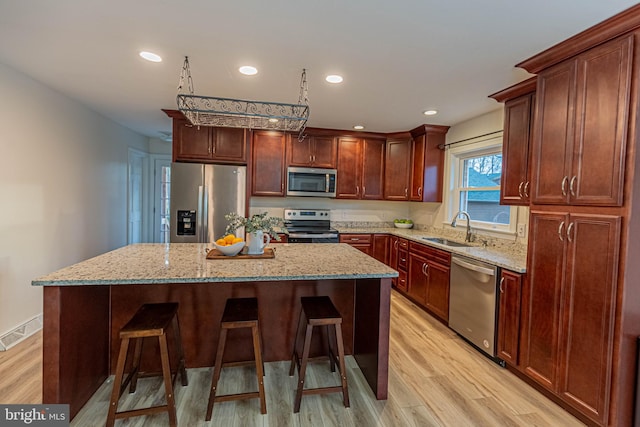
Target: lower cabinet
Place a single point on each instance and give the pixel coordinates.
(362, 242)
(509, 317)
(568, 307)
(428, 279)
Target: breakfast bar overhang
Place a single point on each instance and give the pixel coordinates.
(86, 304)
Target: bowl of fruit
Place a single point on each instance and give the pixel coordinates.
(229, 245)
(403, 223)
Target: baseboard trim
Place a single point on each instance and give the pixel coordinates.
(20, 333)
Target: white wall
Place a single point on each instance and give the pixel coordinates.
(63, 189)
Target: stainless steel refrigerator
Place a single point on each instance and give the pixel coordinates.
(201, 195)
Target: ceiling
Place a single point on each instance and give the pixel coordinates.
(398, 58)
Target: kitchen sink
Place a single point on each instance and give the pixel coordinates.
(446, 242)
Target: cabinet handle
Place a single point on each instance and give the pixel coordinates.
(310, 158)
(564, 185)
(423, 265)
(426, 270)
(395, 244)
(357, 190)
(210, 150)
(573, 181)
(560, 231)
(569, 232)
(282, 186)
(314, 158)
(501, 283)
(420, 192)
(364, 191)
(526, 189)
(406, 192)
(520, 189)
(354, 239)
(403, 259)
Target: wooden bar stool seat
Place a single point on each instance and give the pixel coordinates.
(319, 311)
(151, 320)
(238, 313)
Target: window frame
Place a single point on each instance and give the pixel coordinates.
(456, 157)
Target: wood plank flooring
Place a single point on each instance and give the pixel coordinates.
(435, 379)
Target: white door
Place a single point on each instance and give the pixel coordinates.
(161, 199)
(135, 212)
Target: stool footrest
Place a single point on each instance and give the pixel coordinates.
(142, 411)
(322, 390)
(237, 396)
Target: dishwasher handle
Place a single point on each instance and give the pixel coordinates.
(469, 266)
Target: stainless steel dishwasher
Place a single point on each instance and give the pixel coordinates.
(472, 302)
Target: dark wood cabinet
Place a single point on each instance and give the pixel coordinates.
(428, 272)
(380, 247)
(515, 181)
(268, 163)
(509, 317)
(579, 146)
(568, 306)
(208, 144)
(314, 151)
(360, 241)
(427, 169)
(360, 168)
(397, 169)
(398, 254)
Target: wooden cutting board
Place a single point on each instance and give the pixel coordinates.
(216, 254)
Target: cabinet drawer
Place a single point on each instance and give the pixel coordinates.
(442, 257)
(403, 244)
(355, 238)
(401, 281)
(402, 260)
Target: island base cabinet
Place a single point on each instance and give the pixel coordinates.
(569, 307)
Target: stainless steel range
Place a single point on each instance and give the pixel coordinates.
(309, 226)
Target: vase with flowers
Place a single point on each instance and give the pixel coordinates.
(258, 228)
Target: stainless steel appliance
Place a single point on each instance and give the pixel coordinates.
(311, 182)
(473, 301)
(201, 195)
(309, 226)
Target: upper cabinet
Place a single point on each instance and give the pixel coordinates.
(579, 146)
(314, 151)
(427, 167)
(519, 110)
(398, 167)
(360, 168)
(268, 163)
(208, 144)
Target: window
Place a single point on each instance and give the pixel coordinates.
(475, 186)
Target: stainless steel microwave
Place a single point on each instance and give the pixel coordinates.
(312, 182)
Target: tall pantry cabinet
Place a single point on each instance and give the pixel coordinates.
(580, 305)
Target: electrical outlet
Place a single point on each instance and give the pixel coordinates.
(522, 230)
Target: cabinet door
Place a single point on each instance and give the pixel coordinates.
(397, 162)
(602, 105)
(393, 257)
(299, 152)
(541, 297)
(191, 142)
(437, 296)
(229, 145)
(552, 147)
(349, 167)
(372, 169)
(324, 151)
(380, 247)
(417, 278)
(427, 168)
(267, 160)
(515, 151)
(509, 317)
(589, 313)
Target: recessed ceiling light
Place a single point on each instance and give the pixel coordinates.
(358, 127)
(150, 56)
(334, 78)
(430, 112)
(248, 70)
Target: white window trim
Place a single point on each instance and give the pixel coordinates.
(452, 196)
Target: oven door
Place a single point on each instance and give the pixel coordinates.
(312, 238)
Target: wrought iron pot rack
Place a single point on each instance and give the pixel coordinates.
(239, 113)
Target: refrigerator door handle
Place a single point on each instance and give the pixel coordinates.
(199, 216)
(205, 215)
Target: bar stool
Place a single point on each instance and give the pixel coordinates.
(238, 313)
(319, 311)
(151, 320)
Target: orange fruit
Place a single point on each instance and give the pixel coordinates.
(221, 242)
(237, 240)
(229, 238)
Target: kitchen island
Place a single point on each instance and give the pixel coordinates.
(86, 304)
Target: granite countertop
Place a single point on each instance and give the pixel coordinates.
(156, 263)
(510, 260)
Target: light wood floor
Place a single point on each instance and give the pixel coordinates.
(435, 379)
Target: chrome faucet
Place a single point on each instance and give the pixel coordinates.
(455, 218)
